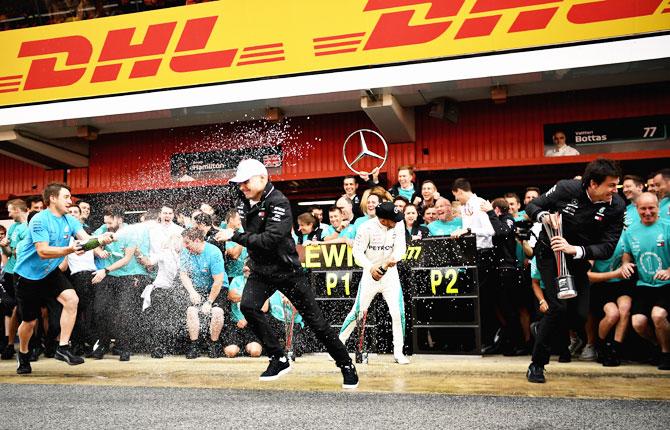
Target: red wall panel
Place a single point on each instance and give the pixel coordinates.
(22, 179)
(486, 135)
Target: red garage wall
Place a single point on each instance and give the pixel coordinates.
(486, 135)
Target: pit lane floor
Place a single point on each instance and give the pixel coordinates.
(442, 391)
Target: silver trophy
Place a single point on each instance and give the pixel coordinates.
(553, 226)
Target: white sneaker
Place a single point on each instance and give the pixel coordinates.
(588, 353)
(401, 359)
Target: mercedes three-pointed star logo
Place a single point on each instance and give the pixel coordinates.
(365, 151)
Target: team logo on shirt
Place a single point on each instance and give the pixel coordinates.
(600, 214)
(650, 263)
(660, 241)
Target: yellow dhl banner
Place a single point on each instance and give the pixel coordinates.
(227, 41)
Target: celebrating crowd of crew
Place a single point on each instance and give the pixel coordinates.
(171, 283)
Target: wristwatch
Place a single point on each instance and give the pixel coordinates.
(106, 271)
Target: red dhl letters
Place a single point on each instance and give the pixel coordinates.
(398, 23)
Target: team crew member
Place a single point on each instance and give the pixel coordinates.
(445, 224)
(38, 278)
(646, 245)
(238, 335)
(632, 188)
(509, 276)
(662, 184)
(379, 246)
(413, 231)
(476, 220)
(611, 303)
(202, 272)
(18, 212)
(275, 266)
(592, 216)
(82, 268)
(341, 232)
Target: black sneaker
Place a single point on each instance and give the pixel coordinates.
(535, 373)
(98, 351)
(63, 353)
(349, 376)
(157, 353)
(50, 350)
(610, 356)
(8, 352)
(193, 351)
(34, 354)
(214, 349)
(565, 356)
(664, 363)
(124, 355)
(278, 366)
(23, 363)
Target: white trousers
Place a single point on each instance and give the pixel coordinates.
(389, 287)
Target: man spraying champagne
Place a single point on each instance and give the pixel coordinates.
(379, 245)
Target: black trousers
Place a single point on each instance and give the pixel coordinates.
(165, 317)
(486, 266)
(84, 329)
(293, 285)
(118, 309)
(509, 282)
(562, 314)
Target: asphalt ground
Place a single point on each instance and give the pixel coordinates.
(436, 391)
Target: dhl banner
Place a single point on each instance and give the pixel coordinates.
(228, 41)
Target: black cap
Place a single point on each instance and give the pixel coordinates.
(388, 211)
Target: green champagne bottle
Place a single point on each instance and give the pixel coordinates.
(92, 243)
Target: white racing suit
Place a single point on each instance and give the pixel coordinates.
(375, 245)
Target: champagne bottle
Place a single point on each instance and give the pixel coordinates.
(92, 243)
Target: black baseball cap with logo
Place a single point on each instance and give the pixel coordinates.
(388, 211)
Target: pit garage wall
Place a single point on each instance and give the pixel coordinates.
(486, 135)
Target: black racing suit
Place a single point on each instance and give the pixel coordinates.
(275, 266)
(593, 226)
(509, 278)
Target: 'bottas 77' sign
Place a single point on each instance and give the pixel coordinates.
(230, 41)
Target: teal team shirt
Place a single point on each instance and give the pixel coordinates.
(649, 247)
(235, 267)
(128, 236)
(16, 233)
(44, 227)
(444, 228)
(535, 273)
(360, 221)
(520, 255)
(612, 263)
(631, 216)
(202, 267)
(238, 283)
(664, 208)
(281, 312)
(349, 232)
(406, 193)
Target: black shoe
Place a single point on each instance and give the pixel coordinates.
(98, 351)
(193, 351)
(664, 363)
(124, 355)
(565, 356)
(278, 366)
(115, 349)
(23, 361)
(8, 352)
(35, 354)
(214, 350)
(610, 356)
(50, 350)
(535, 373)
(63, 353)
(157, 353)
(349, 376)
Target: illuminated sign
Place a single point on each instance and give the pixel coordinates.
(218, 42)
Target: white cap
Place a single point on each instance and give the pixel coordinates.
(248, 168)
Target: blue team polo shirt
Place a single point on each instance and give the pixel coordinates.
(650, 249)
(444, 228)
(17, 232)
(612, 263)
(202, 267)
(631, 216)
(44, 227)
